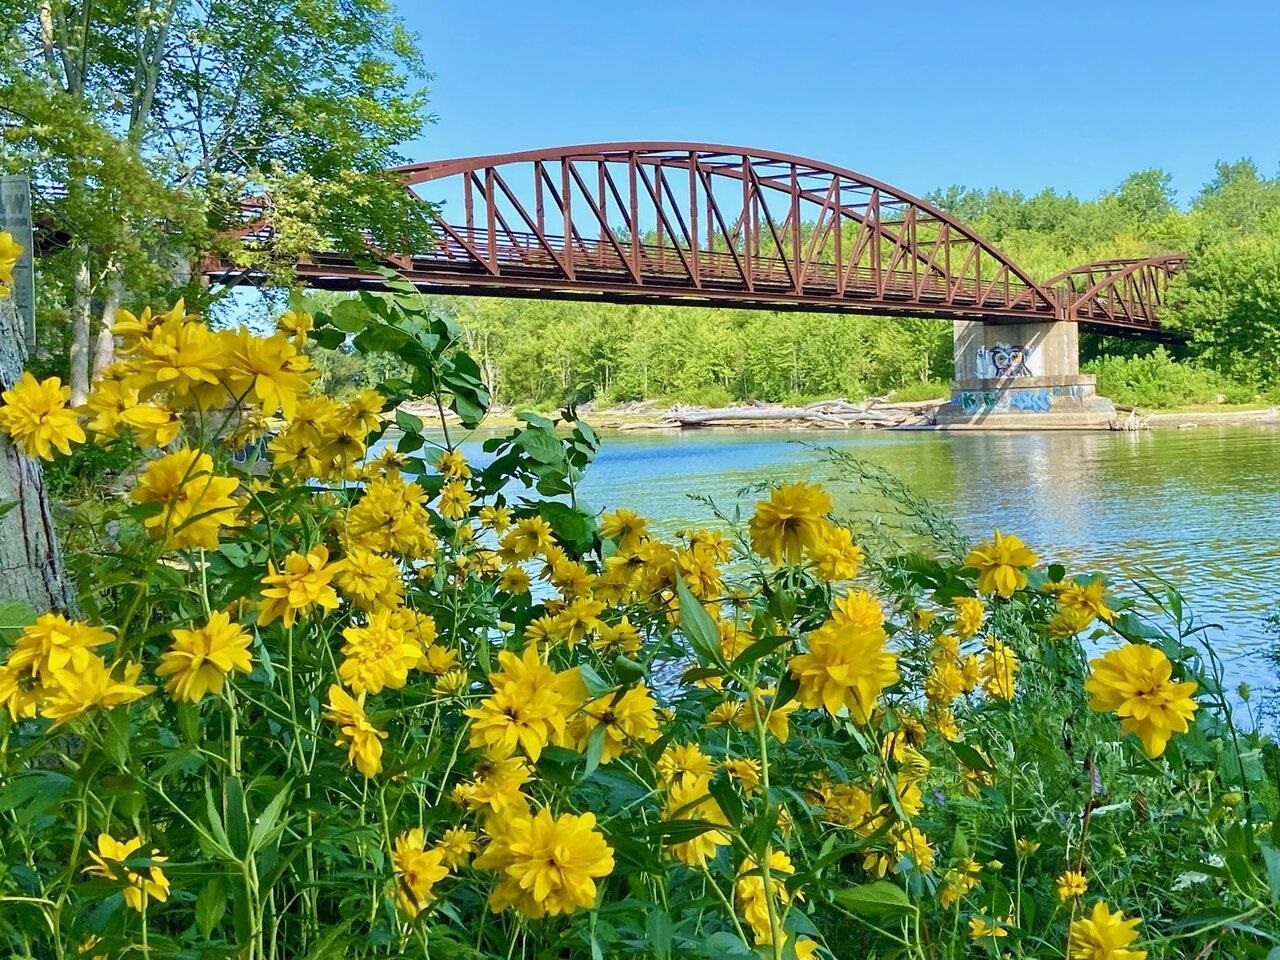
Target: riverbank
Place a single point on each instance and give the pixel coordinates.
(841, 414)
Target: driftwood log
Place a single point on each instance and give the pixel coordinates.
(834, 413)
(31, 569)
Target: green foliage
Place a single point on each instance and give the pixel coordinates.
(1229, 301)
(1156, 381)
(926, 390)
(288, 819)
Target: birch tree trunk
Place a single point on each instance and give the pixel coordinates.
(81, 315)
(104, 350)
(31, 569)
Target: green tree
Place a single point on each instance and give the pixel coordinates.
(154, 120)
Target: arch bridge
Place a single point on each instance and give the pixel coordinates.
(702, 224)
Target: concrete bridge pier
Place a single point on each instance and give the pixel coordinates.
(1022, 376)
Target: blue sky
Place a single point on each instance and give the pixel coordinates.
(921, 95)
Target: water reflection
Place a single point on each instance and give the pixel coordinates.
(1201, 506)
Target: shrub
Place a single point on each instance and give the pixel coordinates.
(921, 390)
(1158, 381)
(331, 703)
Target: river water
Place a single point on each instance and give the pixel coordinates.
(1201, 507)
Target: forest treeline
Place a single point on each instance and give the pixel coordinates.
(547, 352)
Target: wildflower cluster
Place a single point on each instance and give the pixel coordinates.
(344, 689)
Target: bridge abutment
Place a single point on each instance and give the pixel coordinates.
(1022, 376)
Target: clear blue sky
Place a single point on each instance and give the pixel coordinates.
(1021, 95)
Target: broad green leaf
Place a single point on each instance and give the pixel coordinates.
(878, 899)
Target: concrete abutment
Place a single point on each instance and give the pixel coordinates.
(1022, 376)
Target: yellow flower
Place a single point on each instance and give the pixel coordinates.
(455, 500)
(911, 842)
(153, 424)
(369, 580)
(199, 661)
(530, 706)
(684, 765)
(108, 862)
(391, 517)
(77, 691)
(37, 417)
(751, 896)
(621, 637)
(625, 527)
(496, 787)
(1001, 564)
(969, 612)
(268, 370)
(195, 502)
(1085, 603)
(496, 519)
(847, 666)
(185, 359)
(789, 522)
(457, 844)
(451, 683)
(999, 670)
(377, 655)
(547, 866)
(20, 692)
(297, 324)
(691, 801)
(1134, 681)
(54, 643)
(745, 770)
(958, 881)
(835, 556)
(10, 251)
(983, 927)
(361, 738)
(304, 583)
(726, 714)
(453, 465)
(625, 718)
(417, 871)
(776, 717)
(1104, 936)
(1026, 847)
(1072, 884)
(529, 536)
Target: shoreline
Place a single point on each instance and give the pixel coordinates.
(871, 414)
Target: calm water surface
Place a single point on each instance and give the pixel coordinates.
(1201, 506)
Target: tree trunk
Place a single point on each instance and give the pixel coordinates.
(104, 351)
(78, 358)
(31, 568)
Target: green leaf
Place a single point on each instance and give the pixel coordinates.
(658, 930)
(698, 626)
(970, 757)
(595, 750)
(541, 443)
(15, 616)
(408, 422)
(237, 816)
(878, 899)
(1271, 857)
(572, 527)
(211, 905)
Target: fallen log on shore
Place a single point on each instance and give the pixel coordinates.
(839, 413)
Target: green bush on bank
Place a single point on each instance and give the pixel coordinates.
(1159, 381)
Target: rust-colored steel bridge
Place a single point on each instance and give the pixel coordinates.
(703, 224)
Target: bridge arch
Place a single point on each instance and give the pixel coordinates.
(1119, 295)
(689, 222)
